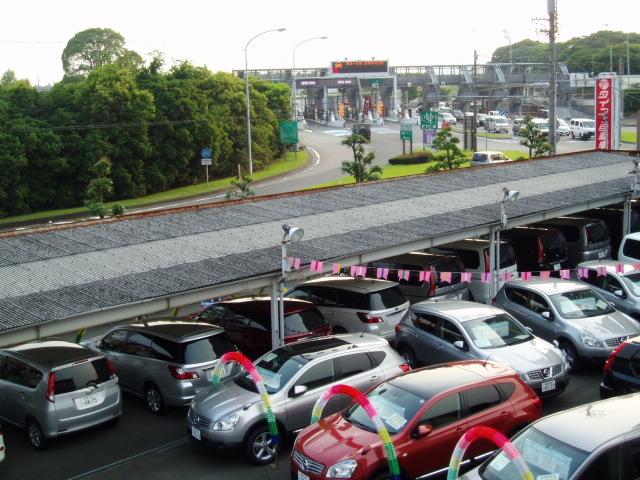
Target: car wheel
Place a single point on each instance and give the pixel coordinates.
(571, 355)
(153, 399)
(35, 434)
(573, 135)
(409, 356)
(259, 447)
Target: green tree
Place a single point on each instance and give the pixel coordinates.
(90, 49)
(450, 156)
(360, 168)
(533, 138)
(8, 78)
(100, 187)
(243, 185)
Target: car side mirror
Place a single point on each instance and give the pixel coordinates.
(548, 315)
(422, 431)
(298, 390)
(619, 294)
(459, 344)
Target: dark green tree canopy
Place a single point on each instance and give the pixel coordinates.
(90, 49)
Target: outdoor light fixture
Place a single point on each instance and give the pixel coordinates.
(294, 234)
(510, 195)
(290, 235)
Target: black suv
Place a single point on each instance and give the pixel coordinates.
(622, 370)
(538, 248)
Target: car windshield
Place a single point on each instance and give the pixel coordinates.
(632, 280)
(206, 349)
(497, 331)
(395, 406)
(589, 124)
(580, 304)
(546, 456)
(276, 369)
(304, 322)
(387, 298)
(81, 375)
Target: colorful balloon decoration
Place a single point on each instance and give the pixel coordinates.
(498, 439)
(392, 457)
(257, 379)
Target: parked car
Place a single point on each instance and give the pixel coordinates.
(598, 440)
(487, 157)
(459, 114)
(247, 322)
(295, 375)
(629, 250)
(518, 124)
(496, 124)
(426, 411)
(449, 118)
(622, 289)
(542, 124)
(475, 256)
(458, 330)
(621, 374)
(54, 388)
(587, 238)
(538, 248)
(581, 321)
(482, 117)
(612, 216)
(562, 128)
(436, 288)
(166, 361)
(582, 128)
(355, 304)
(2, 449)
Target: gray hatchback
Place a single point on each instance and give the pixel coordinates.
(165, 360)
(53, 388)
(295, 375)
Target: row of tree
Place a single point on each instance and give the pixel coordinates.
(149, 122)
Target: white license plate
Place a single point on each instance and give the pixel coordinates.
(87, 401)
(548, 386)
(196, 433)
(302, 476)
(556, 266)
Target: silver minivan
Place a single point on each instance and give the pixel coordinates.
(295, 375)
(164, 360)
(585, 325)
(53, 388)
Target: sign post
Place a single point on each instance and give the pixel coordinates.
(406, 135)
(289, 134)
(205, 155)
(429, 120)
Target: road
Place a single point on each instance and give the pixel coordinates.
(144, 447)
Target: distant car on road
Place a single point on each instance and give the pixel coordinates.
(562, 128)
(582, 128)
(488, 157)
(363, 129)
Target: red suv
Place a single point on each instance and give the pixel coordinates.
(247, 321)
(426, 411)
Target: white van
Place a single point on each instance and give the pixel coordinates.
(497, 124)
(629, 250)
(542, 124)
(582, 128)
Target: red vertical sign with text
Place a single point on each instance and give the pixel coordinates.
(604, 110)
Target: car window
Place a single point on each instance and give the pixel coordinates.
(449, 332)
(631, 248)
(355, 364)
(326, 296)
(517, 296)
(318, 375)
(81, 375)
(496, 331)
(225, 316)
(445, 411)
(206, 349)
(470, 258)
(303, 322)
(594, 279)
(507, 389)
(386, 298)
(20, 373)
(538, 304)
(115, 341)
(611, 284)
(608, 465)
(597, 233)
(139, 345)
(349, 299)
(633, 282)
(481, 398)
(213, 314)
(580, 304)
(165, 350)
(377, 358)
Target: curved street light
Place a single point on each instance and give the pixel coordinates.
(289, 235)
(246, 78)
(293, 79)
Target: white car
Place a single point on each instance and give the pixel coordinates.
(563, 128)
(629, 250)
(487, 157)
(449, 118)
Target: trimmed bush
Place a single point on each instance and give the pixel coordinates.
(412, 158)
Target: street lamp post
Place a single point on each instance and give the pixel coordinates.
(290, 235)
(508, 37)
(246, 79)
(293, 78)
(508, 196)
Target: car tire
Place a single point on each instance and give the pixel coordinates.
(258, 446)
(573, 135)
(338, 330)
(409, 356)
(571, 354)
(35, 435)
(153, 399)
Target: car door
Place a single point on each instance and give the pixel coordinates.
(431, 452)
(425, 341)
(612, 287)
(546, 328)
(140, 354)
(113, 345)
(449, 334)
(607, 464)
(357, 370)
(317, 377)
(517, 302)
(18, 382)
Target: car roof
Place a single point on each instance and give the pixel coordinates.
(634, 236)
(261, 306)
(549, 286)
(578, 221)
(581, 119)
(52, 353)
(529, 231)
(430, 381)
(611, 266)
(359, 284)
(588, 426)
(176, 328)
(487, 152)
(318, 347)
(421, 258)
(461, 310)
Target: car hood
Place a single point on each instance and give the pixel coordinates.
(535, 353)
(333, 439)
(615, 324)
(222, 399)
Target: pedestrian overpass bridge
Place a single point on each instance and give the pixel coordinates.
(69, 277)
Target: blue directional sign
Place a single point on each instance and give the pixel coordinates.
(205, 152)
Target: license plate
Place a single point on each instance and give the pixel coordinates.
(87, 401)
(302, 476)
(196, 433)
(556, 266)
(548, 386)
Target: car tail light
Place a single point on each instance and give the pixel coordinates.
(368, 318)
(608, 365)
(494, 301)
(487, 260)
(51, 388)
(540, 251)
(405, 367)
(397, 327)
(179, 374)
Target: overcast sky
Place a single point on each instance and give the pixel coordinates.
(34, 33)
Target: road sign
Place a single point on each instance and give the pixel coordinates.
(205, 161)
(206, 153)
(427, 137)
(429, 120)
(406, 134)
(288, 132)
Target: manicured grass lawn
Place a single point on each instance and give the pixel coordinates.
(629, 137)
(279, 167)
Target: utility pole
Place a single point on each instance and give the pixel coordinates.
(474, 123)
(551, 7)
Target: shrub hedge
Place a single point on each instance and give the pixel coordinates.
(412, 158)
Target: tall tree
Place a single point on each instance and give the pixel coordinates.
(450, 156)
(534, 139)
(360, 168)
(99, 188)
(90, 49)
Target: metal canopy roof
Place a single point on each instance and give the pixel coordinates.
(58, 280)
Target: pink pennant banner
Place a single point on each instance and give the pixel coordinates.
(506, 276)
(385, 273)
(314, 266)
(362, 271)
(290, 262)
(320, 267)
(335, 269)
(400, 274)
(445, 277)
(378, 272)
(565, 274)
(525, 275)
(545, 274)
(636, 266)
(296, 263)
(486, 277)
(620, 268)
(406, 274)
(602, 271)
(353, 270)
(582, 272)
(466, 277)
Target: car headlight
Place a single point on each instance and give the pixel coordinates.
(228, 422)
(343, 469)
(591, 341)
